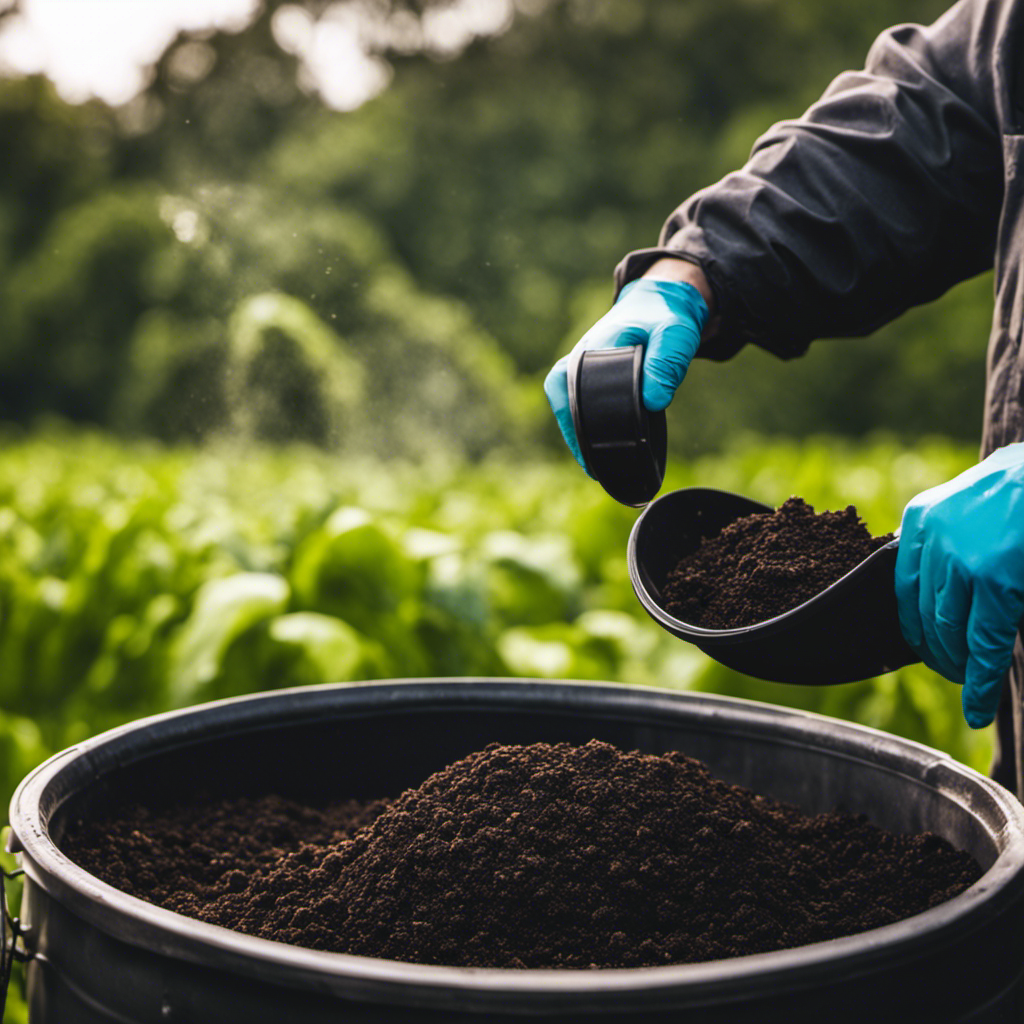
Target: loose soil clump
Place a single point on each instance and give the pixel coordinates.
(543, 856)
(767, 563)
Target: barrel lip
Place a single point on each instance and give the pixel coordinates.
(171, 934)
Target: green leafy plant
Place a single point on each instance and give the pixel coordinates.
(137, 578)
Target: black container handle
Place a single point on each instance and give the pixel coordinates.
(623, 444)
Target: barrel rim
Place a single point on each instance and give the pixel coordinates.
(173, 935)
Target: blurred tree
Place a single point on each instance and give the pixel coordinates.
(131, 278)
(53, 155)
(215, 101)
(70, 304)
(516, 173)
(493, 184)
(137, 310)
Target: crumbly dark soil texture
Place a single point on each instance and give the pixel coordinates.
(767, 563)
(531, 856)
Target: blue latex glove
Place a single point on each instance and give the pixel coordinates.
(960, 577)
(665, 316)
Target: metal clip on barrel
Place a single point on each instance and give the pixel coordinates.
(6, 947)
(10, 929)
(623, 444)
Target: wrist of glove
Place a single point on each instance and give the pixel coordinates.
(666, 317)
(960, 577)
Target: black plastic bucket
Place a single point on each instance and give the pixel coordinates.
(99, 955)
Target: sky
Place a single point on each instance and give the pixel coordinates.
(102, 47)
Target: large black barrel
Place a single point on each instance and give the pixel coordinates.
(102, 956)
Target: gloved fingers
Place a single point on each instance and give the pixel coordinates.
(612, 331)
(670, 349)
(1007, 457)
(556, 387)
(945, 602)
(991, 631)
(907, 581)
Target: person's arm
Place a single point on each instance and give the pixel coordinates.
(668, 268)
(671, 269)
(882, 196)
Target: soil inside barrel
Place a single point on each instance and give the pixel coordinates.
(767, 563)
(547, 855)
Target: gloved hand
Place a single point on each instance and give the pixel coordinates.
(665, 316)
(960, 577)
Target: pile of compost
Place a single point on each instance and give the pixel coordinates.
(767, 563)
(529, 856)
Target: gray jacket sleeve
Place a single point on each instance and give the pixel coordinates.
(881, 197)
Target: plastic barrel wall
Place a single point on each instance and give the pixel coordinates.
(102, 956)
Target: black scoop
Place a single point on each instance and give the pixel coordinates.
(849, 631)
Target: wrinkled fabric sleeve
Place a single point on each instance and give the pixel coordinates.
(882, 196)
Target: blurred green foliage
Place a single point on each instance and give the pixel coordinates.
(449, 238)
(517, 175)
(134, 579)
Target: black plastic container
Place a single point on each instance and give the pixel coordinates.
(102, 956)
(849, 631)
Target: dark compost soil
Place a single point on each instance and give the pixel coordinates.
(767, 563)
(529, 856)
